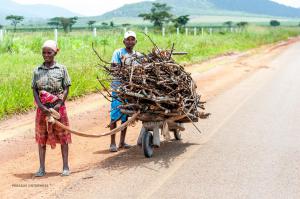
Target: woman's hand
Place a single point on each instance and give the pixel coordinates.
(45, 110)
(57, 107)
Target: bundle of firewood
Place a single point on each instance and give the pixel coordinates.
(157, 87)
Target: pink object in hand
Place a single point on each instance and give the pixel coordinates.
(47, 97)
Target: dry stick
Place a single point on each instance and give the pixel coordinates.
(138, 76)
(99, 80)
(131, 74)
(105, 68)
(152, 42)
(179, 117)
(105, 89)
(99, 55)
(106, 79)
(108, 93)
(172, 49)
(112, 132)
(103, 95)
(192, 122)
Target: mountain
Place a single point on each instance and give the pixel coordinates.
(209, 7)
(30, 12)
(264, 7)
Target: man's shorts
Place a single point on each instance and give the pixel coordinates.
(115, 112)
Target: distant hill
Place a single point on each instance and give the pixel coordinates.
(208, 7)
(264, 7)
(30, 12)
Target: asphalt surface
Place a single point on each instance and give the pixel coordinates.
(249, 148)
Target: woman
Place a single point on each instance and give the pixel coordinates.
(50, 86)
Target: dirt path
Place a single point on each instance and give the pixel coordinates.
(18, 151)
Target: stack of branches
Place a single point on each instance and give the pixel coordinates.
(155, 86)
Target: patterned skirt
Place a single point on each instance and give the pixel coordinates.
(47, 133)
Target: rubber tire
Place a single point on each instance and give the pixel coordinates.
(177, 134)
(147, 144)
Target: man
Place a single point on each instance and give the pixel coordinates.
(124, 54)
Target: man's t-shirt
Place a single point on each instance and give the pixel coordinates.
(121, 55)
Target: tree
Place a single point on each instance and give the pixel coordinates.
(104, 43)
(1, 26)
(158, 15)
(91, 24)
(112, 24)
(15, 19)
(67, 23)
(228, 23)
(181, 21)
(54, 22)
(274, 23)
(242, 24)
(125, 24)
(73, 20)
(104, 24)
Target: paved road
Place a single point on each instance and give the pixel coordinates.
(249, 148)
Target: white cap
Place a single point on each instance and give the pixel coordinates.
(129, 34)
(51, 44)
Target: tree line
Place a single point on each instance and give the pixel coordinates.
(160, 14)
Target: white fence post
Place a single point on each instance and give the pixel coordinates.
(146, 30)
(195, 31)
(95, 32)
(210, 31)
(55, 35)
(202, 31)
(186, 31)
(125, 29)
(1, 35)
(163, 31)
(231, 29)
(177, 31)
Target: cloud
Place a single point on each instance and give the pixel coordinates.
(293, 3)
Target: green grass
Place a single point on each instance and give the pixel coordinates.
(16, 66)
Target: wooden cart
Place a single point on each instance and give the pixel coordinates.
(153, 127)
(150, 136)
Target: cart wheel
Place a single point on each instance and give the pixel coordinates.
(177, 134)
(147, 144)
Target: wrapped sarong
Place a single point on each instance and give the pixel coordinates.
(46, 132)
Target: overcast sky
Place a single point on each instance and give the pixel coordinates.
(97, 7)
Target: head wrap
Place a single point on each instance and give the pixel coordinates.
(51, 44)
